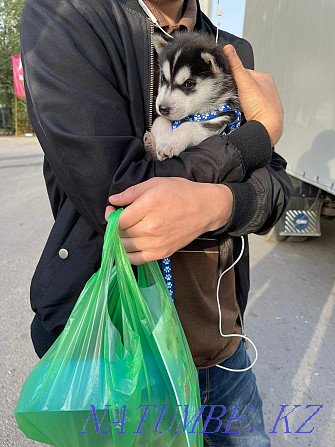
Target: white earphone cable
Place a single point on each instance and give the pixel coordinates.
(152, 17)
(218, 12)
(220, 317)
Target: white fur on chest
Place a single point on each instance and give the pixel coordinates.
(164, 142)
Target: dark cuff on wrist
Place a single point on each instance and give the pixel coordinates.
(253, 142)
(244, 208)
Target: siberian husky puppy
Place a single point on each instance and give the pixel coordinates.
(195, 81)
(195, 86)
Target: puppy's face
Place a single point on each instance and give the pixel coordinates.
(182, 91)
(190, 82)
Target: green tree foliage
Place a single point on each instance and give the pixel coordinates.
(10, 19)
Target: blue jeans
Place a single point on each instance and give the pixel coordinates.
(235, 403)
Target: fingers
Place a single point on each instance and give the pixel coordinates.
(126, 197)
(255, 74)
(140, 257)
(132, 193)
(238, 71)
(139, 250)
(132, 244)
(128, 218)
(260, 77)
(134, 214)
(140, 199)
(109, 209)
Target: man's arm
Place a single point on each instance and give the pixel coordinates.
(260, 200)
(73, 92)
(164, 215)
(149, 230)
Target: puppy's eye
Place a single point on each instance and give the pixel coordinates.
(189, 83)
(163, 78)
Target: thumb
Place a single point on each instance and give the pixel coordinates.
(126, 197)
(130, 194)
(238, 71)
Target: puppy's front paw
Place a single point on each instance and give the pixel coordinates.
(169, 150)
(165, 151)
(149, 144)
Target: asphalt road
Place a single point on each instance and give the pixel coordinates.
(289, 316)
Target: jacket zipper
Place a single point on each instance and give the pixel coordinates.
(152, 55)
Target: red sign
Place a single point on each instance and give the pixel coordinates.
(18, 77)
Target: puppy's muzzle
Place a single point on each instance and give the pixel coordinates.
(164, 110)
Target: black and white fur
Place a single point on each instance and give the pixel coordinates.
(194, 78)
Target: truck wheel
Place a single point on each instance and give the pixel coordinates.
(274, 236)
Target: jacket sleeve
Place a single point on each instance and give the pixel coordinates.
(73, 92)
(260, 200)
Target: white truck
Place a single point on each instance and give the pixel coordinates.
(294, 41)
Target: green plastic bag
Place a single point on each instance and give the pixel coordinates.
(122, 349)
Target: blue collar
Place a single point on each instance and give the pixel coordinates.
(197, 117)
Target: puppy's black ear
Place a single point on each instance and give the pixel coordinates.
(210, 59)
(159, 42)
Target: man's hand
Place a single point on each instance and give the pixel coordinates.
(165, 214)
(258, 96)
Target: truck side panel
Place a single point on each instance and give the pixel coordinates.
(294, 40)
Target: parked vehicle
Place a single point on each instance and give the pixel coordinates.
(295, 42)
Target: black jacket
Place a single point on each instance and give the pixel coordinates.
(87, 68)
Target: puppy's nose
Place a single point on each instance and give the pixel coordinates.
(164, 110)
